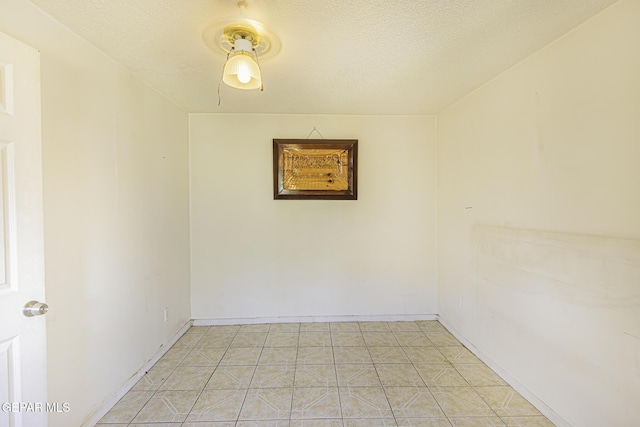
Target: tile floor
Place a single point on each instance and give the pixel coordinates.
(349, 374)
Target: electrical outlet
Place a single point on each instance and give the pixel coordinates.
(459, 302)
(166, 314)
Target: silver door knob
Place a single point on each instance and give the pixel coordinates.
(35, 308)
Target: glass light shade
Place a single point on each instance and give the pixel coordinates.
(241, 71)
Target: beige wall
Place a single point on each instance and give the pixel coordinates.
(255, 257)
(539, 221)
(115, 159)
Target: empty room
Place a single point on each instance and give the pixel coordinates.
(297, 213)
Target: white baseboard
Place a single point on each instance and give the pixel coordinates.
(517, 386)
(114, 398)
(314, 319)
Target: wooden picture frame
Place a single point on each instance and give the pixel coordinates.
(315, 169)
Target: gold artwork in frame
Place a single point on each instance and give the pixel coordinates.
(315, 169)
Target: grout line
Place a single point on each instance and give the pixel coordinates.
(295, 373)
(395, 419)
(247, 391)
(205, 384)
(253, 375)
(210, 376)
(335, 370)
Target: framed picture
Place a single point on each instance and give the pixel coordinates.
(315, 169)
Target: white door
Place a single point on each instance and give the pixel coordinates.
(23, 375)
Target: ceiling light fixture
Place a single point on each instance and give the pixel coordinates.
(243, 41)
(242, 70)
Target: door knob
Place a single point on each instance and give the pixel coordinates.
(35, 308)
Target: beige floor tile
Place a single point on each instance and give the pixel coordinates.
(249, 340)
(345, 327)
(263, 423)
(261, 327)
(167, 406)
(442, 339)
(412, 339)
(231, 377)
(461, 402)
(281, 339)
(374, 326)
(198, 330)
(315, 376)
(351, 355)
(423, 422)
(204, 356)
(477, 422)
(388, 355)
(434, 374)
(241, 356)
(153, 379)
(188, 341)
(267, 404)
(314, 356)
(478, 374)
(370, 422)
(364, 402)
(412, 402)
(128, 407)
(314, 403)
(314, 339)
(217, 405)
(272, 376)
(215, 341)
(150, 425)
(316, 423)
(431, 326)
(223, 331)
(285, 327)
(316, 373)
(404, 326)
(506, 402)
(187, 378)
(278, 356)
(459, 354)
(362, 375)
(173, 357)
(399, 375)
(315, 327)
(347, 339)
(380, 339)
(420, 355)
(210, 424)
(539, 421)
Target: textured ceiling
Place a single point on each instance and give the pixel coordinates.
(337, 56)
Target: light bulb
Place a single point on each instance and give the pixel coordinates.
(244, 75)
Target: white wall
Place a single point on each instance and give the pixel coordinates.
(115, 159)
(538, 184)
(539, 221)
(255, 257)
